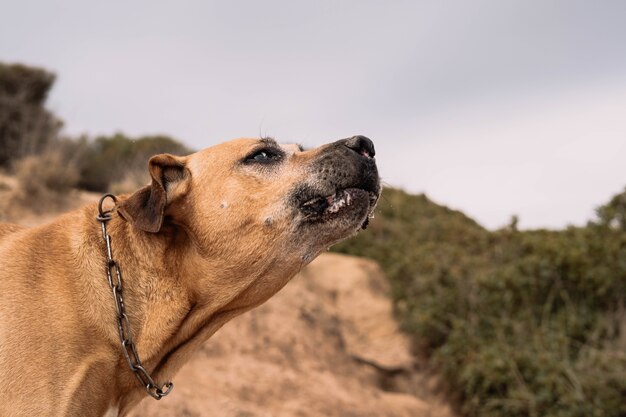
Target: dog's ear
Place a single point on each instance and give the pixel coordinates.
(145, 209)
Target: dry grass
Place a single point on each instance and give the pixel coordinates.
(42, 184)
(132, 181)
(45, 181)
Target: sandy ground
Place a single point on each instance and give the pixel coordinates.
(326, 345)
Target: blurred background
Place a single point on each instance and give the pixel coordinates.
(495, 283)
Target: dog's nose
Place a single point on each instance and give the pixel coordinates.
(361, 145)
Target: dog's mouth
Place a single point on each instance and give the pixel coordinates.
(341, 191)
(343, 202)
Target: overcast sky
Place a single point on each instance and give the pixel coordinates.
(491, 107)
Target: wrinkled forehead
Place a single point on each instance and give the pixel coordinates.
(291, 147)
(288, 148)
(229, 153)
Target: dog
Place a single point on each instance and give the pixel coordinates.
(215, 233)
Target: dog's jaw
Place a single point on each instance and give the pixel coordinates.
(338, 197)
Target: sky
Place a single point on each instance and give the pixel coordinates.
(496, 108)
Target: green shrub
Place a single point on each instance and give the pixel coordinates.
(120, 163)
(115, 162)
(26, 127)
(520, 323)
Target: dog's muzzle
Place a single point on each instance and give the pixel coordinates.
(344, 183)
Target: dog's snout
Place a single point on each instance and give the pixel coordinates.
(361, 145)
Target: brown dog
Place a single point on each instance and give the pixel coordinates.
(215, 234)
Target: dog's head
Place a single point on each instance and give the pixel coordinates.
(256, 189)
(258, 206)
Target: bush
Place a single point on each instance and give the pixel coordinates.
(26, 127)
(117, 162)
(120, 164)
(520, 323)
(46, 172)
(44, 182)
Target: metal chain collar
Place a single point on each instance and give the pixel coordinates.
(114, 276)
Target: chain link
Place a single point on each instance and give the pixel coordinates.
(114, 276)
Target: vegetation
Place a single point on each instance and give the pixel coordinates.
(521, 323)
(46, 163)
(120, 164)
(45, 180)
(26, 127)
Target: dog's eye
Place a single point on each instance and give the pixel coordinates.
(264, 155)
(261, 156)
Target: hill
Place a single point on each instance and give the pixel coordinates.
(520, 323)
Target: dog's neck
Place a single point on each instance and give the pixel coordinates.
(157, 298)
(170, 314)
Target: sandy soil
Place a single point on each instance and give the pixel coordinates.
(326, 345)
